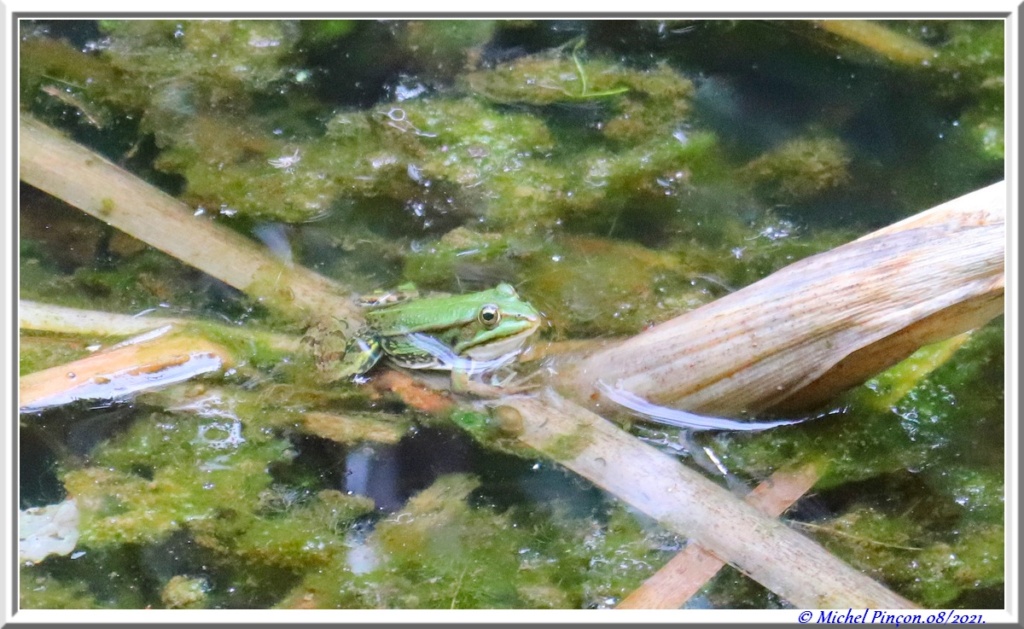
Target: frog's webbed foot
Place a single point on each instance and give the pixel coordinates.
(495, 384)
(477, 389)
(513, 382)
(466, 382)
(535, 379)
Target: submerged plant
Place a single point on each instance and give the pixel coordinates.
(617, 184)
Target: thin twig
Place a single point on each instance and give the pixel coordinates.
(857, 538)
(42, 317)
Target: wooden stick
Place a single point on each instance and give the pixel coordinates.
(690, 570)
(784, 561)
(351, 429)
(82, 178)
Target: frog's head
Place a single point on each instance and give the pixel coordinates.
(503, 324)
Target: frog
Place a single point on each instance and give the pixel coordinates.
(465, 334)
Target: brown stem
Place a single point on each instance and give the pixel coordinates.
(70, 172)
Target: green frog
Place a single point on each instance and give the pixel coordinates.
(465, 334)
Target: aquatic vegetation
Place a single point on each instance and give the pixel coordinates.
(618, 174)
(972, 55)
(802, 168)
(439, 551)
(911, 470)
(183, 592)
(40, 352)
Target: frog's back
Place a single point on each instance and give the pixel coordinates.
(423, 315)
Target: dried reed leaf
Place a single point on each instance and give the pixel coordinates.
(830, 320)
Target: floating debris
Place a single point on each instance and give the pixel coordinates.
(49, 530)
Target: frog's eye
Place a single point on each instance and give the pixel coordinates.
(489, 315)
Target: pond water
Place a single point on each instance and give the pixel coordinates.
(617, 173)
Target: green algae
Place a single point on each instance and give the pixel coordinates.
(47, 592)
(497, 430)
(972, 54)
(304, 537)
(323, 32)
(596, 177)
(441, 552)
(41, 351)
(182, 592)
(170, 476)
(929, 512)
(163, 475)
(934, 570)
(546, 79)
(216, 54)
(441, 48)
(802, 168)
